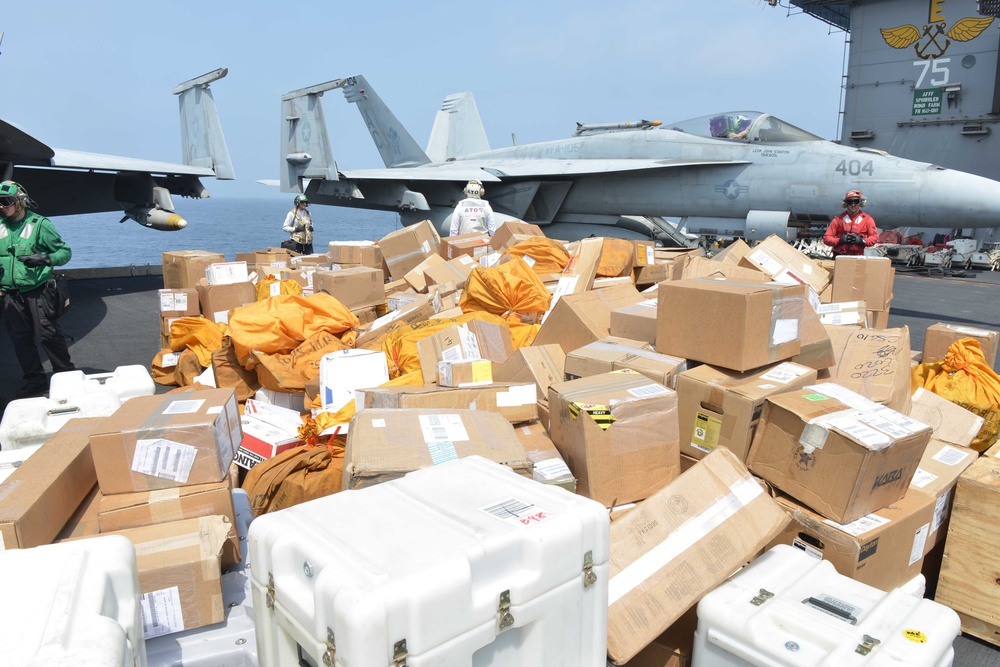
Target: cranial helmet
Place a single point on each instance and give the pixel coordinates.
(9, 189)
(853, 194)
(474, 189)
(301, 199)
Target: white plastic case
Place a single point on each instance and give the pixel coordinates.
(126, 381)
(31, 421)
(74, 603)
(12, 460)
(789, 608)
(462, 564)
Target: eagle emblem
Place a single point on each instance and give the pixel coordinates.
(927, 43)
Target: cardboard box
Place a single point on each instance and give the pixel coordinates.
(751, 325)
(159, 442)
(940, 336)
(732, 253)
(581, 269)
(505, 233)
(343, 372)
(270, 256)
(184, 268)
(455, 271)
(471, 245)
(549, 467)
(579, 319)
(217, 300)
(884, 549)
(785, 264)
(355, 288)
(542, 364)
(845, 313)
(133, 510)
(835, 451)
(643, 253)
(363, 253)
(721, 408)
(680, 543)
(386, 444)
(861, 278)
(700, 267)
(655, 273)
(612, 354)
(617, 433)
(404, 248)
(415, 277)
(816, 347)
(180, 573)
(475, 339)
(44, 492)
(179, 302)
(636, 321)
(514, 402)
(416, 311)
(465, 373)
(263, 440)
(226, 273)
(872, 362)
(83, 522)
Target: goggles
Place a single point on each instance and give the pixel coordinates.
(8, 201)
(853, 201)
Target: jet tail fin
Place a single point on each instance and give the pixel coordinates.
(394, 143)
(458, 130)
(305, 144)
(202, 141)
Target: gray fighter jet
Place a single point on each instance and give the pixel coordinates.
(743, 174)
(66, 182)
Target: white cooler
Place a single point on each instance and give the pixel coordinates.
(126, 381)
(465, 563)
(789, 608)
(73, 603)
(31, 421)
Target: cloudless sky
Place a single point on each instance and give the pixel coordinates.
(96, 76)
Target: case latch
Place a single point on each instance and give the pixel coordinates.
(761, 597)
(269, 599)
(399, 653)
(867, 644)
(589, 578)
(506, 618)
(330, 655)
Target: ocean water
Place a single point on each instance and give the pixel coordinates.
(228, 226)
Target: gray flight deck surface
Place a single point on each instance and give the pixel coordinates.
(113, 322)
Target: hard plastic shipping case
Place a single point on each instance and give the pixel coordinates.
(74, 603)
(126, 381)
(28, 422)
(461, 564)
(788, 608)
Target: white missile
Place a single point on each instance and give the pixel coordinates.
(156, 218)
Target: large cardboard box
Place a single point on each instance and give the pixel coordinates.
(612, 354)
(386, 444)
(872, 362)
(721, 408)
(454, 271)
(505, 233)
(404, 248)
(179, 302)
(940, 336)
(159, 442)
(514, 402)
(355, 288)
(415, 277)
(700, 267)
(542, 364)
(268, 257)
(751, 325)
(579, 319)
(617, 433)
(475, 339)
(217, 300)
(786, 265)
(861, 278)
(41, 495)
(184, 268)
(835, 451)
(133, 510)
(581, 269)
(470, 245)
(83, 522)
(636, 321)
(680, 543)
(364, 253)
(884, 549)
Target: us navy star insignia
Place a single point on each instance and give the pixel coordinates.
(731, 189)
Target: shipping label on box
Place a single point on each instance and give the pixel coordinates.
(226, 273)
(846, 313)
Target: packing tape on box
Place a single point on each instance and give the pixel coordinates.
(741, 493)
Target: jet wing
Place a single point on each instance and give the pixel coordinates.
(69, 159)
(497, 170)
(15, 143)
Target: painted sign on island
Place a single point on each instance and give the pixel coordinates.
(926, 101)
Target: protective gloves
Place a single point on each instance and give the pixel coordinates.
(36, 260)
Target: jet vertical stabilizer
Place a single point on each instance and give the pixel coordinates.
(202, 141)
(305, 144)
(458, 130)
(394, 143)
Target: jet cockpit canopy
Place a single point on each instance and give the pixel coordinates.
(749, 126)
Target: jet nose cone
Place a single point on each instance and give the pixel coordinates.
(952, 198)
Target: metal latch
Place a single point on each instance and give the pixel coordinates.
(866, 646)
(269, 599)
(399, 653)
(761, 597)
(330, 654)
(506, 618)
(589, 578)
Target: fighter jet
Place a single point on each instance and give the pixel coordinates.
(746, 174)
(66, 182)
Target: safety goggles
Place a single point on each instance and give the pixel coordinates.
(7, 201)
(853, 202)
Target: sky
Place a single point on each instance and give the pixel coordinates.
(97, 76)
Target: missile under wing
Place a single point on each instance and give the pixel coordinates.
(738, 173)
(65, 182)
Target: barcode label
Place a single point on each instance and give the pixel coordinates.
(441, 428)
(169, 360)
(648, 390)
(161, 612)
(165, 459)
(516, 512)
(784, 373)
(922, 478)
(950, 456)
(274, 289)
(441, 452)
(861, 526)
(551, 469)
(453, 353)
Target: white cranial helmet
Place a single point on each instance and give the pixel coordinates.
(474, 189)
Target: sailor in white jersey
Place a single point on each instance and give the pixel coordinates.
(473, 215)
